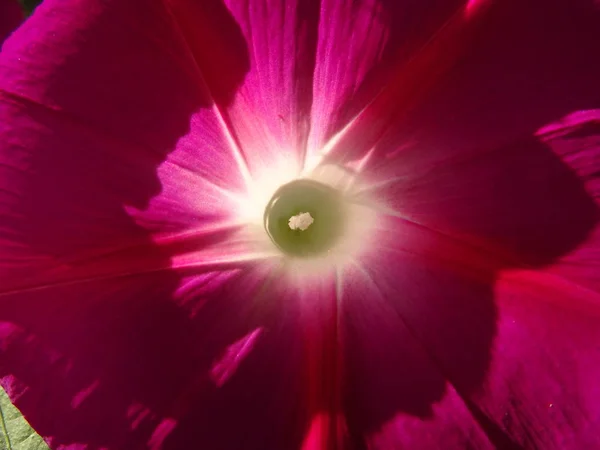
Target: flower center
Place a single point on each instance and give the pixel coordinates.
(305, 218)
(301, 221)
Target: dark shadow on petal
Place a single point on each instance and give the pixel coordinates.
(216, 42)
(11, 16)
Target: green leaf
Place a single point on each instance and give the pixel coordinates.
(15, 432)
(28, 6)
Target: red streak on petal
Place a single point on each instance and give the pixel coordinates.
(318, 436)
(437, 56)
(323, 365)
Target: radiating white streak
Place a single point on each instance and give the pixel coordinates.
(220, 189)
(364, 160)
(237, 153)
(311, 163)
(370, 187)
(360, 268)
(197, 232)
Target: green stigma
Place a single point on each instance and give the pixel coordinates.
(305, 218)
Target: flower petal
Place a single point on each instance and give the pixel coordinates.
(329, 59)
(465, 351)
(128, 362)
(270, 116)
(510, 330)
(94, 98)
(543, 376)
(476, 87)
(100, 335)
(538, 213)
(576, 140)
(123, 92)
(447, 167)
(396, 393)
(277, 388)
(362, 45)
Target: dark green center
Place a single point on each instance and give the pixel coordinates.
(325, 206)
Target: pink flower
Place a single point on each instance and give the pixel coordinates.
(452, 299)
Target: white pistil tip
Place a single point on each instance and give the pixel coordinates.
(301, 221)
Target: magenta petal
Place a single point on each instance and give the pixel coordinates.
(352, 39)
(362, 47)
(466, 350)
(542, 388)
(576, 140)
(519, 202)
(476, 88)
(326, 61)
(266, 397)
(94, 99)
(508, 86)
(269, 117)
(396, 393)
(125, 362)
(498, 287)
(125, 322)
(468, 162)
(11, 16)
(104, 115)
